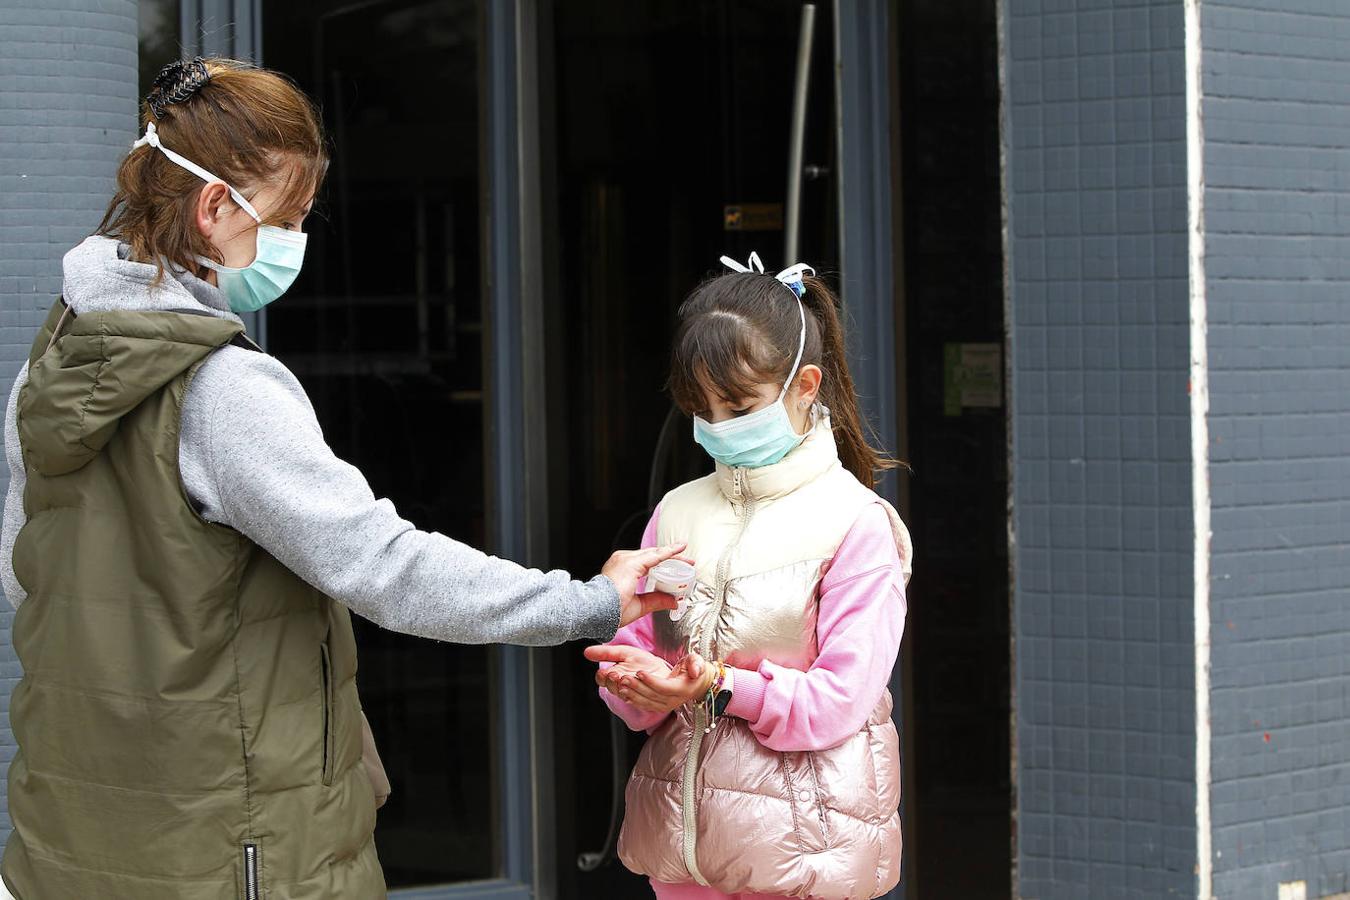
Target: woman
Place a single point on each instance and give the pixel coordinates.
(183, 547)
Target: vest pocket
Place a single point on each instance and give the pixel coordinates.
(327, 691)
(819, 796)
(809, 819)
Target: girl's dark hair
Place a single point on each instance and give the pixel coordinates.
(740, 330)
(243, 124)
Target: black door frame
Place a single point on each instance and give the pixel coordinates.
(869, 207)
(515, 449)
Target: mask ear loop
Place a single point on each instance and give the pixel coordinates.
(801, 348)
(791, 278)
(152, 139)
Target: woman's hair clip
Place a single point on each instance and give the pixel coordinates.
(175, 83)
(791, 277)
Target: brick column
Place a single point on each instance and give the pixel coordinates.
(68, 90)
(1275, 94)
(1104, 280)
(1103, 611)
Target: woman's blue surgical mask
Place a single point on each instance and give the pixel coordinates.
(765, 436)
(280, 253)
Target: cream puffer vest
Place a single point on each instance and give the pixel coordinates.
(720, 809)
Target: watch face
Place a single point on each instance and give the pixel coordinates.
(720, 702)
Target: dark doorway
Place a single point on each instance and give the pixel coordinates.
(959, 609)
(384, 329)
(668, 146)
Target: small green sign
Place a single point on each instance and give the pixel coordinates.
(972, 377)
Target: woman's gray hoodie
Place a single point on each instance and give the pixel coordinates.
(252, 457)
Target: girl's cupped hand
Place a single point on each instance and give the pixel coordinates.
(649, 682)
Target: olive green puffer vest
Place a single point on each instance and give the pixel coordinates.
(187, 724)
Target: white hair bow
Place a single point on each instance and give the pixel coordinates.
(791, 276)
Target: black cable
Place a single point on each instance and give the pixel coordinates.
(589, 862)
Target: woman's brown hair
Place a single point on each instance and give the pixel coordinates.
(742, 329)
(245, 125)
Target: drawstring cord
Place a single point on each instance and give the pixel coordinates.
(56, 332)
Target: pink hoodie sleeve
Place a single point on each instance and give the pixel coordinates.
(638, 634)
(861, 622)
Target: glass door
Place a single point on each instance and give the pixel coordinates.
(385, 329)
(959, 625)
(668, 134)
(158, 29)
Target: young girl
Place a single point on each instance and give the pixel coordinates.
(773, 766)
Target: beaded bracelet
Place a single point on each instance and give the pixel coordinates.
(710, 699)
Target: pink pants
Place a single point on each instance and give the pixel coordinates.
(698, 892)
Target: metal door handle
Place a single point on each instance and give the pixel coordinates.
(797, 137)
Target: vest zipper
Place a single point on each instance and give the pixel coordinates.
(744, 504)
(251, 872)
(326, 667)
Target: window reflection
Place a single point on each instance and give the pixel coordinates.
(158, 37)
(384, 328)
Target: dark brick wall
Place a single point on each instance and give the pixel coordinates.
(1276, 112)
(67, 117)
(1103, 612)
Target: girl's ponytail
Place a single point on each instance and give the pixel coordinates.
(837, 391)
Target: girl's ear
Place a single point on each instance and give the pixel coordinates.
(807, 388)
(210, 203)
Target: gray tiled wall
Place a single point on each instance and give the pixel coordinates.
(67, 116)
(1103, 521)
(1276, 87)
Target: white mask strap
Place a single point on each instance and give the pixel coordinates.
(791, 278)
(152, 138)
(801, 348)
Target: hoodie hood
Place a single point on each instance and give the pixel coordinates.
(123, 339)
(98, 276)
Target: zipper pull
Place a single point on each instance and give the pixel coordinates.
(252, 890)
(736, 483)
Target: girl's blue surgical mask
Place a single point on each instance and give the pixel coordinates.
(759, 439)
(765, 436)
(279, 256)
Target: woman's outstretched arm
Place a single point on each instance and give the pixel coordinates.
(254, 458)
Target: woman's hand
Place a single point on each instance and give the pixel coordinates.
(647, 682)
(626, 568)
